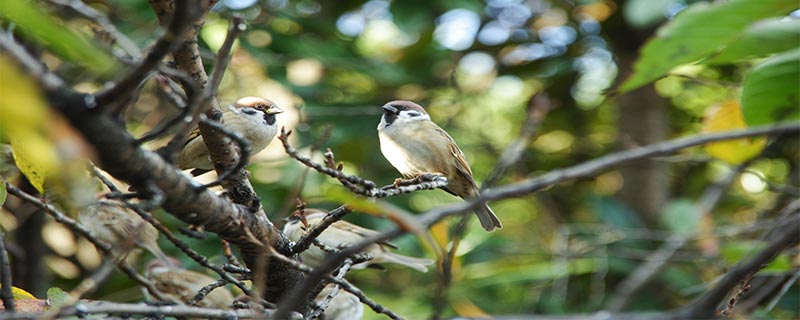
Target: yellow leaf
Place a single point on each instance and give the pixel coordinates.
(439, 231)
(467, 309)
(23, 118)
(20, 294)
(728, 116)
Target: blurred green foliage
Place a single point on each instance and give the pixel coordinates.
(475, 66)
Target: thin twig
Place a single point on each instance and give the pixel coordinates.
(785, 288)
(190, 89)
(345, 285)
(126, 44)
(322, 305)
(106, 308)
(205, 291)
(538, 107)
(200, 259)
(293, 299)
(360, 185)
(308, 238)
(744, 286)
(706, 305)
(183, 14)
(5, 276)
(235, 28)
(244, 153)
(653, 264)
(80, 229)
(91, 283)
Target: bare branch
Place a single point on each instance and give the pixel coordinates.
(5, 276)
(183, 14)
(200, 259)
(706, 305)
(538, 108)
(656, 260)
(84, 308)
(126, 44)
(80, 229)
(360, 185)
(308, 238)
(235, 28)
(291, 300)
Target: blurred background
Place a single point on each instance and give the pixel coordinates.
(476, 66)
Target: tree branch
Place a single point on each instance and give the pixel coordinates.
(84, 308)
(292, 299)
(706, 305)
(5, 276)
(80, 229)
(184, 13)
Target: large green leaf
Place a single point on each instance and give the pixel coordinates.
(697, 32)
(760, 39)
(771, 90)
(62, 40)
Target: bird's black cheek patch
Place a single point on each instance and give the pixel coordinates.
(389, 118)
(269, 118)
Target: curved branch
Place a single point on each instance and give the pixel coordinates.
(291, 300)
(183, 14)
(706, 305)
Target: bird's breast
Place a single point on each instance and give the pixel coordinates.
(413, 150)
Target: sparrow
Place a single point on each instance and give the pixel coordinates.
(181, 285)
(120, 226)
(252, 117)
(340, 235)
(415, 145)
(343, 306)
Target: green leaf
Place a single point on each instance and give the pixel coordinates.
(697, 32)
(57, 297)
(34, 153)
(771, 91)
(681, 216)
(62, 40)
(523, 270)
(761, 39)
(3, 192)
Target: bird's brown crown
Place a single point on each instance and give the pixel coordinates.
(401, 105)
(265, 105)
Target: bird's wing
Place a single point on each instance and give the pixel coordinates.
(462, 167)
(361, 231)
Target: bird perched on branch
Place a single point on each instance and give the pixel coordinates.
(181, 285)
(340, 235)
(251, 117)
(121, 227)
(415, 145)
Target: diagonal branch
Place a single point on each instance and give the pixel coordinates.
(360, 185)
(80, 229)
(5, 276)
(183, 14)
(706, 306)
(292, 300)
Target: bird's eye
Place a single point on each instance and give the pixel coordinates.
(249, 111)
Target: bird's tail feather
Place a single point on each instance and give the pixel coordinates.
(488, 219)
(419, 264)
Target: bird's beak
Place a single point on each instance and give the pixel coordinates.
(274, 110)
(389, 108)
